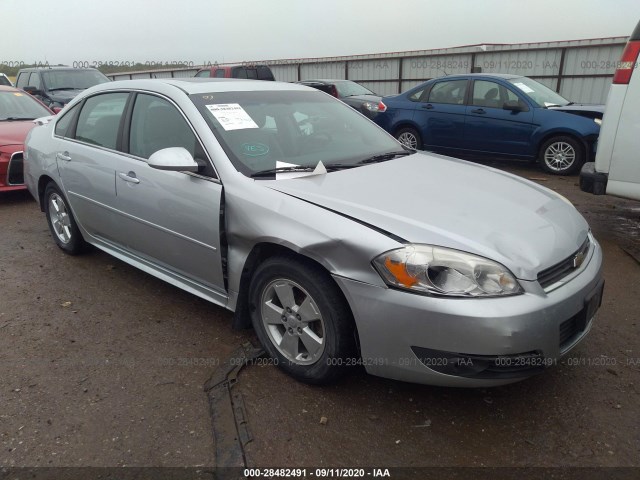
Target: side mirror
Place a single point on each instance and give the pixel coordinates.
(176, 159)
(515, 106)
(32, 90)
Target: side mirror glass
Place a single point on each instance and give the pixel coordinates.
(515, 106)
(177, 159)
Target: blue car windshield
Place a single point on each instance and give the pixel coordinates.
(542, 95)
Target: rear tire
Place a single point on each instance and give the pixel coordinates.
(561, 155)
(62, 225)
(302, 319)
(409, 137)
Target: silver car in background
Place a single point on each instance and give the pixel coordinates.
(339, 245)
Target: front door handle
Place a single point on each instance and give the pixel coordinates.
(428, 106)
(63, 156)
(479, 110)
(129, 177)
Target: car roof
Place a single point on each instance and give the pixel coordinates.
(48, 69)
(200, 85)
(505, 76)
(324, 80)
(7, 88)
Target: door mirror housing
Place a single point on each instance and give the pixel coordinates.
(32, 91)
(176, 159)
(515, 106)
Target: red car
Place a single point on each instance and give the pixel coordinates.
(18, 109)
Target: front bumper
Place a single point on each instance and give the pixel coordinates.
(414, 338)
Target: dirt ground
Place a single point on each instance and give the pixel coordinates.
(103, 365)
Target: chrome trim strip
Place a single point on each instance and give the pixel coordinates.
(9, 169)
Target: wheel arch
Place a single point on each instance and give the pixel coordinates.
(561, 133)
(43, 181)
(258, 254)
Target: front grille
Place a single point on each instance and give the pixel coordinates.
(571, 328)
(556, 273)
(15, 172)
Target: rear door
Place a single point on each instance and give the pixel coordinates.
(489, 128)
(441, 114)
(86, 157)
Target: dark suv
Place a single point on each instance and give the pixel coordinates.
(57, 86)
(253, 72)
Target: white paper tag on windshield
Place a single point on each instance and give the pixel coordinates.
(523, 87)
(232, 116)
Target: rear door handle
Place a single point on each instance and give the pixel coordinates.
(63, 156)
(129, 177)
(428, 106)
(479, 110)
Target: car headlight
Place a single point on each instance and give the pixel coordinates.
(446, 272)
(598, 121)
(372, 107)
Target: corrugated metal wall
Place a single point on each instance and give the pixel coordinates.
(581, 70)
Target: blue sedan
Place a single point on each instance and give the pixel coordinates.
(495, 115)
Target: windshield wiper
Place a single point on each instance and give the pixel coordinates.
(16, 119)
(271, 171)
(63, 88)
(383, 157)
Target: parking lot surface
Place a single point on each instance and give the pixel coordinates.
(104, 365)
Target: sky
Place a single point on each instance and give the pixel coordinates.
(209, 31)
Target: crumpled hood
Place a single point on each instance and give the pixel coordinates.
(426, 198)
(597, 110)
(14, 133)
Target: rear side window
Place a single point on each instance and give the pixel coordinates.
(452, 92)
(220, 73)
(63, 123)
(99, 119)
(34, 80)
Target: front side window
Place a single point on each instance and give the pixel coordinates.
(239, 72)
(452, 92)
(220, 73)
(203, 73)
(99, 119)
(157, 124)
(263, 130)
(491, 94)
(22, 80)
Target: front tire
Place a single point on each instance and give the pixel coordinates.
(302, 319)
(62, 225)
(561, 155)
(409, 137)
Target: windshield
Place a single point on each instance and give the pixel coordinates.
(348, 89)
(271, 129)
(539, 93)
(19, 105)
(72, 79)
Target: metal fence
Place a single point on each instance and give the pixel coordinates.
(580, 70)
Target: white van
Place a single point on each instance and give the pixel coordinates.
(616, 170)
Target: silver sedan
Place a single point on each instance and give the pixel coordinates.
(339, 245)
